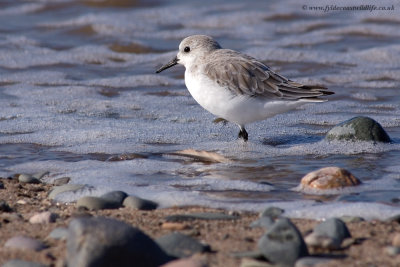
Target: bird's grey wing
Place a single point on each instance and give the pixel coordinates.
(246, 76)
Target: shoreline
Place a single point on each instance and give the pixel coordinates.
(225, 237)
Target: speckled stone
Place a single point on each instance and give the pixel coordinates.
(329, 178)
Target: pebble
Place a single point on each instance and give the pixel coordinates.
(4, 207)
(185, 263)
(24, 243)
(359, 129)
(351, 219)
(96, 203)
(43, 217)
(311, 261)
(1, 185)
(9, 217)
(283, 243)
(264, 222)
(180, 245)
(174, 226)
(256, 263)
(105, 242)
(59, 233)
(200, 216)
(64, 188)
(329, 178)
(115, 196)
(391, 250)
(314, 240)
(22, 263)
(334, 228)
(40, 175)
(29, 179)
(272, 212)
(396, 240)
(139, 203)
(61, 181)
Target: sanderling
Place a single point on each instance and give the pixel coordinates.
(237, 87)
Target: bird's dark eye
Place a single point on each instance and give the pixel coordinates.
(187, 49)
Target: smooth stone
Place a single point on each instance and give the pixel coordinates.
(64, 188)
(256, 263)
(4, 207)
(359, 129)
(1, 185)
(255, 254)
(61, 181)
(334, 228)
(28, 179)
(185, 263)
(180, 245)
(174, 226)
(43, 217)
(311, 261)
(40, 175)
(283, 243)
(200, 216)
(396, 240)
(22, 263)
(59, 233)
(96, 203)
(392, 251)
(115, 196)
(139, 203)
(272, 212)
(321, 241)
(351, 219)
(329, 178)
(103, 242)
(265, 222)
(24, 243)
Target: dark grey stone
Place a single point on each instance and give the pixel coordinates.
(116, 196)
(139, 203)
(61, 181)
(180, 245)
(96, 203)
(22, 263)
(334, 228)
(272, 212)
(4, 207)
(265, 222)
(103, 242)
(283, 243)
(200, 216)
(1, 185)
(359, 129)
(311, 261)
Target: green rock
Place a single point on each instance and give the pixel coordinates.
(359, 129)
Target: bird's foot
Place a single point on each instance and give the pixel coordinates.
(243, 134)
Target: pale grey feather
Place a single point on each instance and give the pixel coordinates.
(244, 75)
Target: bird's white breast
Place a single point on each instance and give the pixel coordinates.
(223, 103)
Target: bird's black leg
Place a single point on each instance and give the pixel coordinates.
(243, 134)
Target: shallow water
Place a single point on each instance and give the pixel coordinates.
(78, 90)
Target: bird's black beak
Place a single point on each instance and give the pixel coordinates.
(168, 65)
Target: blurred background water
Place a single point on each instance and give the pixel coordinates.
(77, 86)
